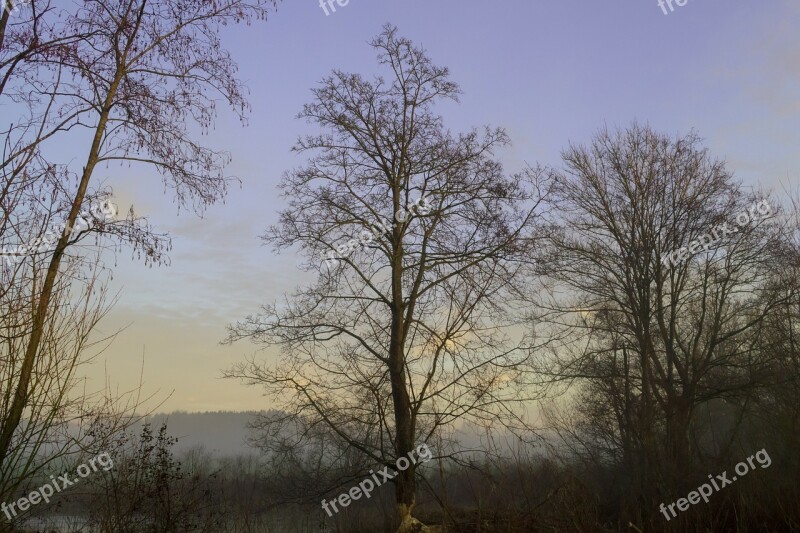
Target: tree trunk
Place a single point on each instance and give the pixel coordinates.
(43, 304)
(405, 486)
(678, 441)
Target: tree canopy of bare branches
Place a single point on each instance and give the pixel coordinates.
(131, 81)
(653, 342)
(409, 331)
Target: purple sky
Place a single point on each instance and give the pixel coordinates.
(550, 72)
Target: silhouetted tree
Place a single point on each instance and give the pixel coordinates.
(406, 331)
(653, 339)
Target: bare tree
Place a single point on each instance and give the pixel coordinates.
(407, 330)
(137, 75)
(654, 335)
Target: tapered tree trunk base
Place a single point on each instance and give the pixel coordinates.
(408, 524)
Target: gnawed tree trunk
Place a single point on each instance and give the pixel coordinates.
(406, 332)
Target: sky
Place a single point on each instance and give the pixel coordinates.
(549, 72)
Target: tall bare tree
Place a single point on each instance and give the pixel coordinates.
(656, 334)
(135, 78)
(420, 242)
